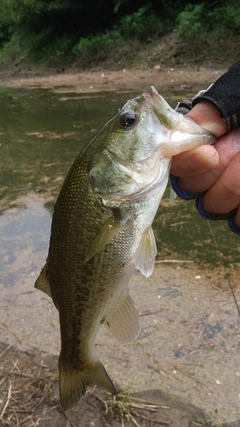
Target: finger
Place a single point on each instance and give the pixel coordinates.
(194, 162)
(224, 195)
(227, 147)
(207, 116)
(203, 158)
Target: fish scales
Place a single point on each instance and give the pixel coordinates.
(101, 276)
(101, 231)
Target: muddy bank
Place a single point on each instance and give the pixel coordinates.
(167, 79)
(188, 347)
(30, 398)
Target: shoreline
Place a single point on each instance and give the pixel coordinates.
(166, 79)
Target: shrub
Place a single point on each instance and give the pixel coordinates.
(141, 24)
(227, 17)
(191, 20)
(198, 20)
(97, 45)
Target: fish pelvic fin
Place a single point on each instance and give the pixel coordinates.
(42, 282)
(146, 252)
(73, 382)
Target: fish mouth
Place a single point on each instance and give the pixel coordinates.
(153, 97)
(164, 112)
(181, 128)
(152, 94)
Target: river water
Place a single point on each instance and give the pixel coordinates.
(41, 133)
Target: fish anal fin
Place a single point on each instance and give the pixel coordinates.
(123, 322)
(106, 233)
(146, 252)
(73, 382)
(42, 282)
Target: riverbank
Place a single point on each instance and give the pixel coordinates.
(167, 79)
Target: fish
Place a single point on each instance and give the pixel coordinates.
(102, 231)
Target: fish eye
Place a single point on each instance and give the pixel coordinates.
(128, 119)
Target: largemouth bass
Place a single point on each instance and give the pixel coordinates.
(102, 231)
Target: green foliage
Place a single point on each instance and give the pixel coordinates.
(226, 16)
(60, 46)
(44, 29)
(97, 45)
(141, 24)
(191, 20)
(38, 47)
(201, 19)
(5, 24)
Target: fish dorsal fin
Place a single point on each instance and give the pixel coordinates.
(106, 233)
(42, 282)
(123, 322)
(146, 252)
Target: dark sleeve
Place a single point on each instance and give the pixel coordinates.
(224, 94)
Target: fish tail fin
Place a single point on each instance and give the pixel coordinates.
(73, 382)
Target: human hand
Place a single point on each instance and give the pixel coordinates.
(212, 169)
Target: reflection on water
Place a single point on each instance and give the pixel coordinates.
(24, 235)
(41, 133)
(182, 234)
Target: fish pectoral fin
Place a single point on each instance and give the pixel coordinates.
(106, 233)
(146, 252)
(73, 382)
(42, 282)
(123, 322)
